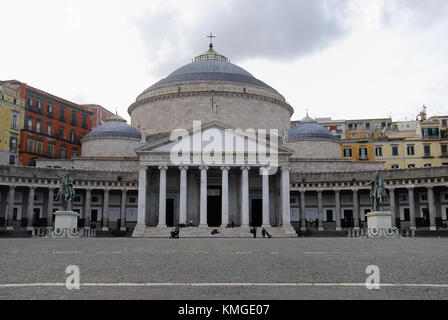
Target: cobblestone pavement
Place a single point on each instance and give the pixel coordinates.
(208, 261)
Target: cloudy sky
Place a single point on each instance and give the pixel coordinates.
(339, 59)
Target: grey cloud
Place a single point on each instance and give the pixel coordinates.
(420, 13)
(278, 30)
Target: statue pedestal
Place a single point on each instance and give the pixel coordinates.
(379, 224)
(66, 220)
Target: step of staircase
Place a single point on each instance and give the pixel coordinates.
(196, 232)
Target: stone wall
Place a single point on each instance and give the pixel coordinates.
(306, 165)
(100, 164)
(109, 147)
(315, 149)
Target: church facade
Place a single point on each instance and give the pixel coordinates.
(211, 146)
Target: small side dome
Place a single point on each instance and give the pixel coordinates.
(308, 128)
(115, 126)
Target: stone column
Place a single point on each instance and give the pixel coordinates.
(393, 207)
(225, 197)
(106, 210)
(30, 208)
(123, 210)
(203, 201)
(411, 208)
(245, 197)
(87, 209)
(320, 211)
(302, 211)
(162, 197)
(265, 195)
(142, 189)
(50, 207)
(355, 209)
(286, 210)
(337, 200)
(183, 195)
(11, 196)
(432, 209)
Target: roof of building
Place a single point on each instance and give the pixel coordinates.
(308, 128)
(115, 126)
(210, 67)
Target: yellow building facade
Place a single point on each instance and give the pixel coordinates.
(12, 119)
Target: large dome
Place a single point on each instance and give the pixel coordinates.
(210, 67)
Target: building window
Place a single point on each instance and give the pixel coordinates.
(49, 128)
(30, 145)
(74, 117)
(61, 132)
(50, 109)
(13, 143)
(428, 165)
(427, 149)
(29, 124)
(395, 150)
(347, 152)
(72, 136)
(31, 102)
(50, 150)
(74, 152)
(39, 145)
(63, 152)
(395, 166)
(444, 150)
(15, 121)
(383, 125)
(61, 114)
(379, 151)
(411, 165)
(444, 123)
(367, 125)
(410, 150)
(179, 90)
(38, 126)
(84, 122)
(363, 153)
(244, 90)
(430, 133)
(329, 215)
(39, 106)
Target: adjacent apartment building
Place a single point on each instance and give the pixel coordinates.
(99, 114)
(12, 116)
(53, 126)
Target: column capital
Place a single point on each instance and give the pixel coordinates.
(354, 190)
(286, 169)
(203, 168)
(429, 187)
(410, 187)
(124, 191)
(12, 187)
(245, 168)
(143, 167)
(337, 190)
(183, 168)
(163, 167)
(106, 190)
(225, 168)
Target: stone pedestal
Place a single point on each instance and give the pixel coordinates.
(379, 220)
(66, 220)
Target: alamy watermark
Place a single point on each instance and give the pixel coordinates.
(73, 280)
(373, 280)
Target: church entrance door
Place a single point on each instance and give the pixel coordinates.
(214, 207)
(170, 221)
(257, 213)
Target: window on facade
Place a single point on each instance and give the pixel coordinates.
(179, 90)
(13, 143)
(63, 152)
(379, 151)
(50, 109)
(49, 128)
(367, 125)
(347, 152)
(61, 132)
(410, 150)
(31, 102)
(430, 133)
(395, 166)
(30, 145)
(73, 117)
(29, 124)
(406, 213)
(444, 123)
(395, 150)
(444, 150)
(427, 149)
(84, 122)
(38, 126)
(74, 152)
(362, 153)
(428, 165)
(329, 215)
(411, 165)
(383, 125)
(61, 114)
(72, 136)
(15, 121)
(39, 106)
(50, 150)
(39, 145)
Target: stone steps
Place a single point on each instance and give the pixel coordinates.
(195, 232)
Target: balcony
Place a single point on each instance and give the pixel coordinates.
(363, 157)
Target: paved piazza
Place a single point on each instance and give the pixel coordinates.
(178, 266)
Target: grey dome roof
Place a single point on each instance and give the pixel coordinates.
(309, 130)
(115, 127)
(210, 67)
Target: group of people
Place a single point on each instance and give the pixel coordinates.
(264, 232)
